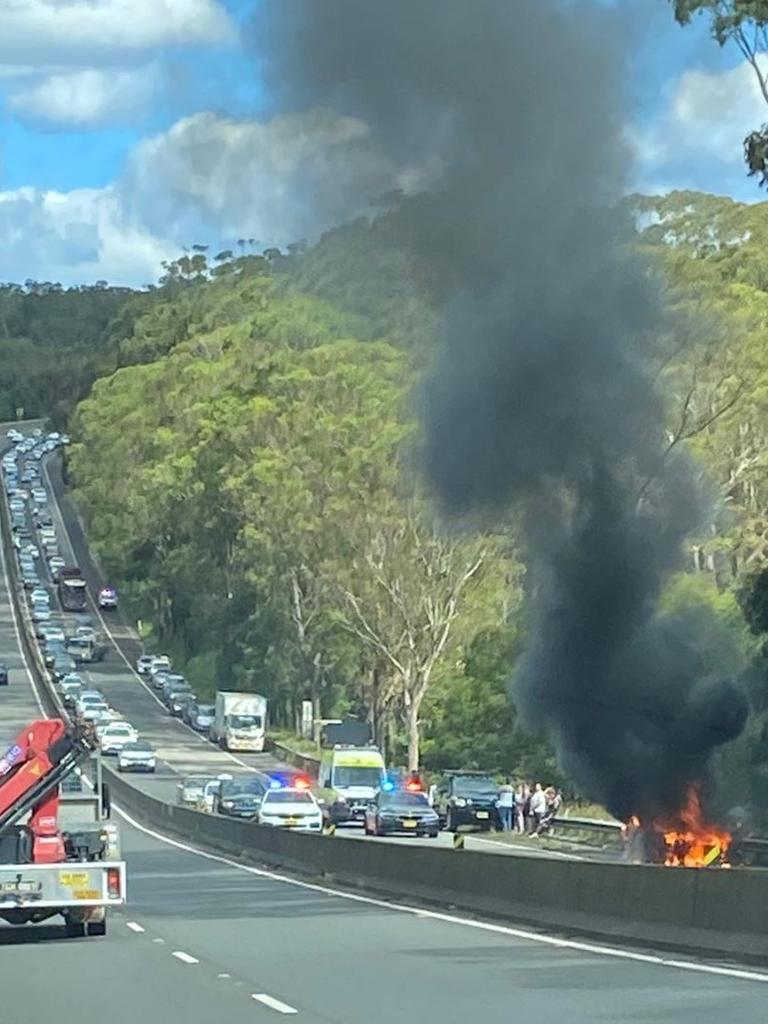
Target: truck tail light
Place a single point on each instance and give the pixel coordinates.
(113, 883)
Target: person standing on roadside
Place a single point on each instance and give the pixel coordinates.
(521, 799)
(506, 806)
(538, 807)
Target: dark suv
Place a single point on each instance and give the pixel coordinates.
(240, 797)
(466, 798)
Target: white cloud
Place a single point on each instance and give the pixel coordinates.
(100, 32)
(277, 180)
(75, 237)
(85, 98)
(88, 62)
(706, 119)
(209, 179)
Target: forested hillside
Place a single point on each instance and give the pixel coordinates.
(250, 477)
(54, 343)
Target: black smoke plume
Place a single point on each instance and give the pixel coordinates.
(543, 396)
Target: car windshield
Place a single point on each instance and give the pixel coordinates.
(205, 709)
(357, 776)
(286, 796)
(467, 786)
(191, 786)
(138, 748)
(119, 730)
(242, 787)
(244, 721)
(405, 800)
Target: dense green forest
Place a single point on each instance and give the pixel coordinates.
(247, 461)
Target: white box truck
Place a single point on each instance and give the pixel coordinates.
(240, 721)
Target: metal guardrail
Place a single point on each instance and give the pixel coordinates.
(749, 851)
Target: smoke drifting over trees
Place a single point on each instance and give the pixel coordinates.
(543, 395)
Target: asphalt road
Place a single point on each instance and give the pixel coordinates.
(204, 939)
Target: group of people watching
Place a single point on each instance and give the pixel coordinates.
(527, 809)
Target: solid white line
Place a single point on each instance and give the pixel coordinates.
(185, 957)
(134, 926)
(497, 929)
(94, 605)
(273, 1004)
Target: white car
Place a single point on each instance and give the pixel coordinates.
(291, 808)
(55, 563)
(136, 757)
(40, 594)
(160, 663)
(116, 736)
(208, 797)
(144, 663)
(93, 711)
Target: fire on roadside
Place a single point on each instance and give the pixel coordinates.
(687, 839)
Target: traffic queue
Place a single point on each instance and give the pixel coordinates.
(67, 636)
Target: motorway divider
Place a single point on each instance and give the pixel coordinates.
(702, 911)
(715, 912)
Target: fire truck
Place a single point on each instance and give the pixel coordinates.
(59, 853)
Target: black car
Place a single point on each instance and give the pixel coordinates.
(178, 700)
(240, 797)
(3, 675)
(466, 798)
(400, 811)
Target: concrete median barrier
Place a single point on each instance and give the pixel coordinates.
(719, 913)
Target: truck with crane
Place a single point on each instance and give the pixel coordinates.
(59, 853)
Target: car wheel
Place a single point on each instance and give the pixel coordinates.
(74, 929)
(450, 824)
(97, 927)
(433, 835)
(377, 829)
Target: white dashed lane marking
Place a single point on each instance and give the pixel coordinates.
(273, 1004)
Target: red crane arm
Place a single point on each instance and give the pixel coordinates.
(35, 754)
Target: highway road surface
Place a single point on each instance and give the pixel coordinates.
(204, 940)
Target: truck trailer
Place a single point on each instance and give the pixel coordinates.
(73, 593)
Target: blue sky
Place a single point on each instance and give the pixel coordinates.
(130, 127)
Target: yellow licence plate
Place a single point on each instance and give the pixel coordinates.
(87, 894)
(482, 814)
(410, 823)
(291, 821)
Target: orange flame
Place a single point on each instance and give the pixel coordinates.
(691, 841)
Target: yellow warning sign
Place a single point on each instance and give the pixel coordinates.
(74, 877)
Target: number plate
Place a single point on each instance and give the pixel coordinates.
(87, 894)
(20, 886)
(291, 821)
(482, 814)
(410, 823)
